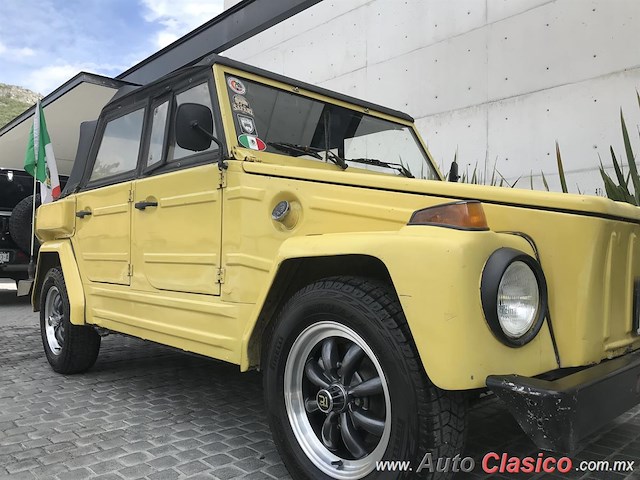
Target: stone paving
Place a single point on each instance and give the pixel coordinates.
(147, 411)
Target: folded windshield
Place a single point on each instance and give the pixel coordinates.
(277, 121)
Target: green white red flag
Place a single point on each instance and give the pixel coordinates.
(40, 161)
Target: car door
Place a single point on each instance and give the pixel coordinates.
(103, 208)
(177, 213)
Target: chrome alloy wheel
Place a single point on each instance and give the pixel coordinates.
(54, 324)
(337, 400)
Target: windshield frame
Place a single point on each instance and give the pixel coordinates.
(221, 71)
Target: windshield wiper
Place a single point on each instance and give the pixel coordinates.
(311, 151)
(401, 169)
(341, 162)
(293, 148)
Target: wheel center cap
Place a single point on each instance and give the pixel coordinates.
(332, 399)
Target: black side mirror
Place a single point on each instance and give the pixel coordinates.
(194, 124)
(453, 172)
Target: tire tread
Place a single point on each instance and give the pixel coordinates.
(82, 345)
(444, 409)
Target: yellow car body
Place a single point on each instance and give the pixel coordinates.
(207, 268)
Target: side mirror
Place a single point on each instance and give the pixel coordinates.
(194, 124)
(453, 172)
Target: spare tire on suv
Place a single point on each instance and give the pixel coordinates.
(20, 224)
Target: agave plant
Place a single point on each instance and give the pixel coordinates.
(618, 189)
(480, 177)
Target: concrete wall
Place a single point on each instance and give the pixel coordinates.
(497, 80)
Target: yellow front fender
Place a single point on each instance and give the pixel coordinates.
(59, 253)
(436, 274)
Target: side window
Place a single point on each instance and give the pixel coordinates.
(120, 146)
(158, 128)
(198, 94)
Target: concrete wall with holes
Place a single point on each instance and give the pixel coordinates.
(498, 81)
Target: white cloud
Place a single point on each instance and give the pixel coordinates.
(177, 21)
(15, 53)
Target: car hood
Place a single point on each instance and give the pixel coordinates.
(558, 202)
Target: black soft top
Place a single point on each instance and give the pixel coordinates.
(129, 93)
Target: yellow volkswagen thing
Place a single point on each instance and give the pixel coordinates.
(251, 218)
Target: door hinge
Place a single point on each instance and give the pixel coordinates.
(240, 155)
(220, 276)
(223, 179)
(130, 270)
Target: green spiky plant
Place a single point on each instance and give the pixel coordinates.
(477, 177)
(615, 188)
(563, 178)
(618, 189)
(561, 174)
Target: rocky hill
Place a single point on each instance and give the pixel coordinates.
(13, 101)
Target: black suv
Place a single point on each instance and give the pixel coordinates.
(16, 204)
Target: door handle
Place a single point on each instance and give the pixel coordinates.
(143, 205)
(83, 213)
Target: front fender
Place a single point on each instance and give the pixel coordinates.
(436, 273)
(66, 259)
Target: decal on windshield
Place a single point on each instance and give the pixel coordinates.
(240, 104)
(236, 85)
(252, 142)
(247, 124)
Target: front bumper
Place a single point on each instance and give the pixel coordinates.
(558, 414)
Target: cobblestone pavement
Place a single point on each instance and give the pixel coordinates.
(146, 411)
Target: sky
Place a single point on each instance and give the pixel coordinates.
(43, 43)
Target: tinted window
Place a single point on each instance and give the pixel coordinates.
(199, 94)
(159, 123)
(120, 145)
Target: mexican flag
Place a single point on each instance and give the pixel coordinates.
(40, 161)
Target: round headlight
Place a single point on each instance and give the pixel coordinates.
(518, 299)
(513, 291)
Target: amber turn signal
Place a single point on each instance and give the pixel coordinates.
(465, 215)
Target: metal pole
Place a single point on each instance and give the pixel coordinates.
(36, 150)
(31, 269)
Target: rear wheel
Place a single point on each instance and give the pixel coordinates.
(345, 387)
(69, 348)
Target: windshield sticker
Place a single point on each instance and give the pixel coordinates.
(247, 124)
(236, 85)
(240, 104)
(254, 143)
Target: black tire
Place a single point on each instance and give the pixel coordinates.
(75, 348)
(20, 224)
(424, 419)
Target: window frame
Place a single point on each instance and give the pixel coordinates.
(197, 158)
(147, 98)
(329, 98)
(120, 112)
(154, 102)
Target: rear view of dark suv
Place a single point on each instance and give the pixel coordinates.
(16, 205)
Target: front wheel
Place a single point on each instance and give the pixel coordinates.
(345, 388)
(69, 348)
